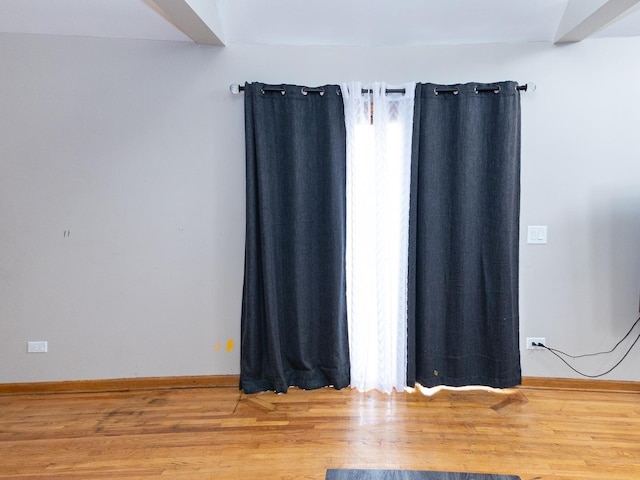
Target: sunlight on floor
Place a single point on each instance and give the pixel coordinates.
(429, 392)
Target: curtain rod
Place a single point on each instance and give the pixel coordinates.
(236, 89)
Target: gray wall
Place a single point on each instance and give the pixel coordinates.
(122, 195)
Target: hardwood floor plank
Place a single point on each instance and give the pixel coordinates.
(204, 433)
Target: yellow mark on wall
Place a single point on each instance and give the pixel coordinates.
(230, 345)
(217, 347)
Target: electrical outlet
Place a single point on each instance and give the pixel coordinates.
(532, 340)
(37, 347)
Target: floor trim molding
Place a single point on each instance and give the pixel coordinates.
(226, 381)
(584, 384)
(121, 384)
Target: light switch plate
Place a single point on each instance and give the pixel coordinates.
(537, 234)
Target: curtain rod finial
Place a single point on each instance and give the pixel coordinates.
(235, 88)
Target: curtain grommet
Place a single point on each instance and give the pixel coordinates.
(283, 91)
(495, 90)
(306, 90)
(262, 91)
(454, 90)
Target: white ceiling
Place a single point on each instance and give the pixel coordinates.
(327, 22)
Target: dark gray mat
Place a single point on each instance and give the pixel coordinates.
(347, 474)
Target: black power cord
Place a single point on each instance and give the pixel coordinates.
(557, 353)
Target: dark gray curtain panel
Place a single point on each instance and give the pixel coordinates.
(464, 220)
(294, 320)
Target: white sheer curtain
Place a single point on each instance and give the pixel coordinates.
(379, 129)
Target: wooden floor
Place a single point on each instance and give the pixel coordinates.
(219, 433)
